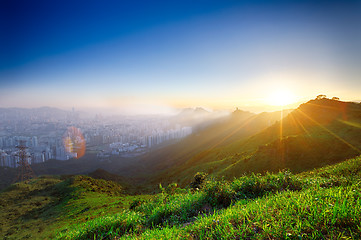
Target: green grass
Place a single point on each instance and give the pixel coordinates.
(42, 207)
(320, 204)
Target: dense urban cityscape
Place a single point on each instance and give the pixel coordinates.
(45, 133)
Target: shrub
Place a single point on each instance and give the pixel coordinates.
(198, 181)
(219, 193)
(255, 185)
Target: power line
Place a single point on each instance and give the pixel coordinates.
(24, 170)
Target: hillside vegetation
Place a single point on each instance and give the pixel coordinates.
(317, 133)
(321, 204)
(240, 125)
(39, 208)
(324, 203)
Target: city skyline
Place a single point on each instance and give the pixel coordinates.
(49, 133)
(139, 57)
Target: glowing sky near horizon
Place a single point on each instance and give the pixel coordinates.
(155, 55)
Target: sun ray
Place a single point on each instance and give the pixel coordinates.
(303, 127)
(281, 146)
(330, 132)
(298, 123)
(233, 132)
(352, 124)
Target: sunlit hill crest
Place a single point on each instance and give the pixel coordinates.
(319, 132)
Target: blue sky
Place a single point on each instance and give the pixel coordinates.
(155, 55)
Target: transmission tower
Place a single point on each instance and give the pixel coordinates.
(24, 170)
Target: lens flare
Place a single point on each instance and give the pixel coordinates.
(74, 142)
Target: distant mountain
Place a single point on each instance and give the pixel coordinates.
(195, 117)
(193, 111)
(42, 113)
(48, 110)
(317, 133)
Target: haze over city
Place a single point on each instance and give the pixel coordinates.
(154, 57)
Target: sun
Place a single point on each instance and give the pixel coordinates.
(281, 97)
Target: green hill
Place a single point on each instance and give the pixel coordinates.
(39, 208)
(318, 133)
(321, 204)
(7, 176)
(324, 203)
(89, 164)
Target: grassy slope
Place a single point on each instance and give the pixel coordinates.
(318, 133)
(240, 125)
(41, 207)
(7, 176)
(324, 203)
(85, 165)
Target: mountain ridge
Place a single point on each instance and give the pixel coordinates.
(323, 131)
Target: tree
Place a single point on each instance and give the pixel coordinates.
(336, 98)
(321, 96)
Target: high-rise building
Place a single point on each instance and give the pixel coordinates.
(34, 141)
